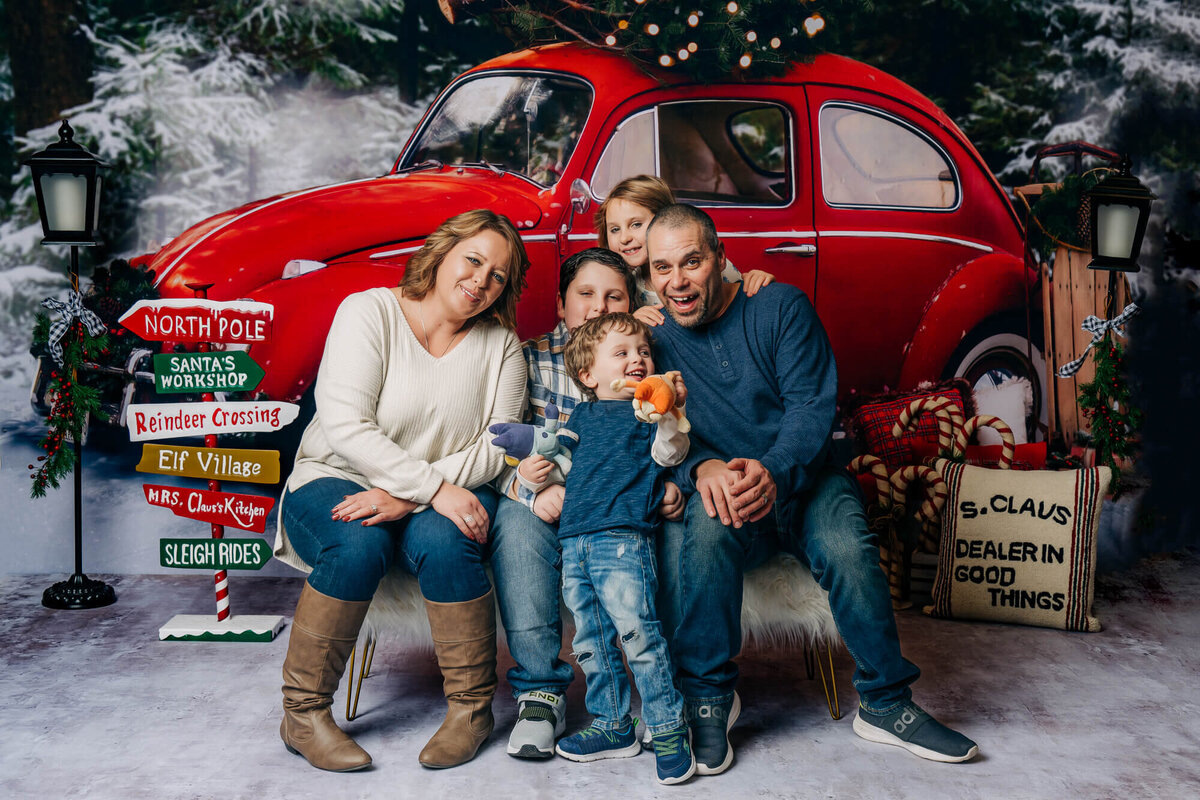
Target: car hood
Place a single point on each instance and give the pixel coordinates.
(242, 249)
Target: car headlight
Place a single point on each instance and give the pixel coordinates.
(301, 266)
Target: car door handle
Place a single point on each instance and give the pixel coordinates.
(797, 249)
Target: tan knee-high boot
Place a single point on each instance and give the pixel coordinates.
(324, 631)
(464, 639)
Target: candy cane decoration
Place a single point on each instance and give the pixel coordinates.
(930, 511)
(949, 418)
(872, 464)
(988, 421)
(891, 553)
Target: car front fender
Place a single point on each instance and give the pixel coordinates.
(304, 309)
(984, 287)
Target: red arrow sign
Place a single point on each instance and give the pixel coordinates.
(235, 322)
(245, 511)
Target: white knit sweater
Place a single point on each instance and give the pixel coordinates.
(391, 416)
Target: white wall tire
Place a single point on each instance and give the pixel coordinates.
(996, 351)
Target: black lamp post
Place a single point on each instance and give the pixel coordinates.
(1120, 210)
(67, 180)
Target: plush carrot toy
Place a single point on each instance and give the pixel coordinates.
(654, 396)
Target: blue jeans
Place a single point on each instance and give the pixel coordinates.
(702, 564)
(527, 565)
(609, 583)
(348, 559)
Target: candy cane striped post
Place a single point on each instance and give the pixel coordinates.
(1008, 448)
(220, 577)
(948, 414)
(930, 512)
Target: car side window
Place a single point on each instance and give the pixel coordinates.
(869, 158)
(709, 152)
(725, 152)
(630, 152)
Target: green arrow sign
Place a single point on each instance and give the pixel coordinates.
(233, 371)
(213, 553)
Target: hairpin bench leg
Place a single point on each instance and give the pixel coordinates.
(353, 690)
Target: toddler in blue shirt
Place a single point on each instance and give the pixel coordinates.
(615, 490)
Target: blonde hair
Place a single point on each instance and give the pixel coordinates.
(580, 352)
(647, 191)
(421, 272)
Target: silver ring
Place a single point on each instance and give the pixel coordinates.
(374, 509)
(467, 518)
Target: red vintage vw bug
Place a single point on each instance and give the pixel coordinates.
(835, 177)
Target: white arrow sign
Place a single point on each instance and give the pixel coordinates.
(175, 420)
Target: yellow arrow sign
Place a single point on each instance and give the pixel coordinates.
(213, 463)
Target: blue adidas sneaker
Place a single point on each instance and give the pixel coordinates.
(912, 728)
(593, 743)
(673, 757)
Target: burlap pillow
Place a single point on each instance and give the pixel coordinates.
(1019, 546)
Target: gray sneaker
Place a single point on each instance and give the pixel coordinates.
(710, 724)
(912, 728)
(541, 718)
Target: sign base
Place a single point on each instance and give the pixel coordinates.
(206, 628)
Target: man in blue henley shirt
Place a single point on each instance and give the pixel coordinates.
(762, 387)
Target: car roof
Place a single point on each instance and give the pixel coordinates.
(612, 70)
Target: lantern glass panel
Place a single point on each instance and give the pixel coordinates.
(66, 201)
(96, 204)
(1116, 224)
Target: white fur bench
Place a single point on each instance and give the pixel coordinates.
(781, 606)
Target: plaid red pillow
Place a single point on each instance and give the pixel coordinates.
(871, 422)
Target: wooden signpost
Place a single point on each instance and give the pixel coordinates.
(178, 373)
(217, 464)
(176, 420)
(245, 511)
(202, 322)
(214, 553)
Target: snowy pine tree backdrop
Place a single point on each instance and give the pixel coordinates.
(202, 106)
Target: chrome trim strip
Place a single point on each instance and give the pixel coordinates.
(925, 237)
(162, 275)
(769, 234)
(400, 251)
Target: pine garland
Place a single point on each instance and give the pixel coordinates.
(1107, 402)
(72, 403)
(707, 40)
(114, 289)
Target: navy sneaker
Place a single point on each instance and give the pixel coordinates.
(912, 728)
(710, 724)
(593, 744)
(673, 757)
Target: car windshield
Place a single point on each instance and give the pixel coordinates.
(527, 124)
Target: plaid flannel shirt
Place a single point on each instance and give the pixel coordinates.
(548, 383)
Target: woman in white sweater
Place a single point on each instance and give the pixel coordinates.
(393, 469)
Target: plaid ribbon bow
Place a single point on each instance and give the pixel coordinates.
(72, 309)
(1097, 328)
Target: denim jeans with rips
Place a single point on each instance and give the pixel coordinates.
(702, 562)
(527, 566)
(609, 583)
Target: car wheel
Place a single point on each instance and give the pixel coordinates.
(997, 351)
